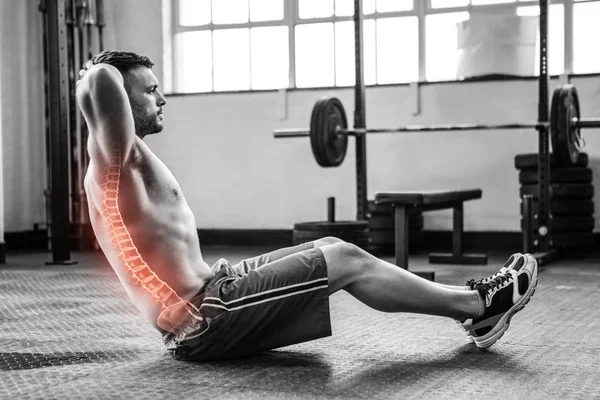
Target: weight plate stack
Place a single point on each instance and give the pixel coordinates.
(571, 205)
(356, 232)
(381, 228)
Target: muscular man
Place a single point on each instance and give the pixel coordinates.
(148, 234)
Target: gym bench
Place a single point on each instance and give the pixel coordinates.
(408, 202)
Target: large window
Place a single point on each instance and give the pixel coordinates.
(231, 45)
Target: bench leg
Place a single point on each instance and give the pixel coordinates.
(401, 242)
(457, 256)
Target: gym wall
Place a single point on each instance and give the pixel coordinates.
(236, 176)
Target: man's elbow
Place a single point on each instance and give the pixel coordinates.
(101, 75)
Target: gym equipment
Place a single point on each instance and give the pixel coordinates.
(406, 203)
(356, 232)
(560, 190)
(67, 42)
(530, 161)
(558, 175)
(329, 128)
(569, 207)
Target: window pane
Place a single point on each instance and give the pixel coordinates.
(369, 52)
(315, 8)
(194, 12)
(344, 54)
(441, 45)
(194, 62)
(314, 55)
(269, 57)
(231, 52)
(586, 31)
(556, 37)
(479, 2)
(344, 8)
(397, 50)
(449, 3)
(230, 11)
(266, 10)
(368, 7)
(394, 5)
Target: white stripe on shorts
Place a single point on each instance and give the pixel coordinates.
(263, 301)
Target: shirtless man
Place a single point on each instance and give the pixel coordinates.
(148, 234)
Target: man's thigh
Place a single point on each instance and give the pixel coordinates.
(249, 264)
(283, 302)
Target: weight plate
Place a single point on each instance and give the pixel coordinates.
(565, 240)
(562, 190)
(362, 242)
(337, 226)
(558, 175)
(316, 120)
(387, 237)
(328, 145)
(344, 235)
(567, 207)
(567, 224)
(530, 161)
(415, 222)
(566, 139)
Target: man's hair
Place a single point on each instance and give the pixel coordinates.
(124, 61)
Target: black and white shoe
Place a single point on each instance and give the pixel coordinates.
(504, 296)
(514, 261)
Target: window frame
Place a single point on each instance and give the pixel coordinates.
(421, 9)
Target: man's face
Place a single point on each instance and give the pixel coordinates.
(146, 101)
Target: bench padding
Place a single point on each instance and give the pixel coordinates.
(428, 197)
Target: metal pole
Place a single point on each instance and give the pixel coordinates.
(331, 209)
(527, 226)
(544, 137)
(100, 23)
(360, 119)
(59, 130)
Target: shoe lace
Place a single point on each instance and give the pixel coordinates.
(472, 283)
(493, 285)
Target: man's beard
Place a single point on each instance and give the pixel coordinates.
(145, 123)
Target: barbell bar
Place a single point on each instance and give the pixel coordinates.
(329, 128)
(292, 133)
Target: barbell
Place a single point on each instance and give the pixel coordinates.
(329, 128)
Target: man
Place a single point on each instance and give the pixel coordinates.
(148, 234)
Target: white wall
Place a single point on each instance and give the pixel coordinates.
(235, 175)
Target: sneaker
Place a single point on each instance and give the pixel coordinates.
(511, 263)
(504, 296)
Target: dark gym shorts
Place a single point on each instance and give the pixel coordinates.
(269, 301)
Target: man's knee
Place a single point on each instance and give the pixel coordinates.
(346, 263)
(327, 241)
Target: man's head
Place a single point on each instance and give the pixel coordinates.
(141, 86)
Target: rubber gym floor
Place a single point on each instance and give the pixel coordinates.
(70, 332)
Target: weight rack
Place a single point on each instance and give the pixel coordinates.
(544, 253)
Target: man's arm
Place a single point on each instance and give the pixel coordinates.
(107, 111)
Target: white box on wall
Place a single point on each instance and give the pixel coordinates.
(497, 45)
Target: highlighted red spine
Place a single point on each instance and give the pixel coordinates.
(140, 271)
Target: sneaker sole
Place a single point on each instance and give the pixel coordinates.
(498, 331)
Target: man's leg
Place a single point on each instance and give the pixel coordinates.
(255, 262)
(386, 287)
